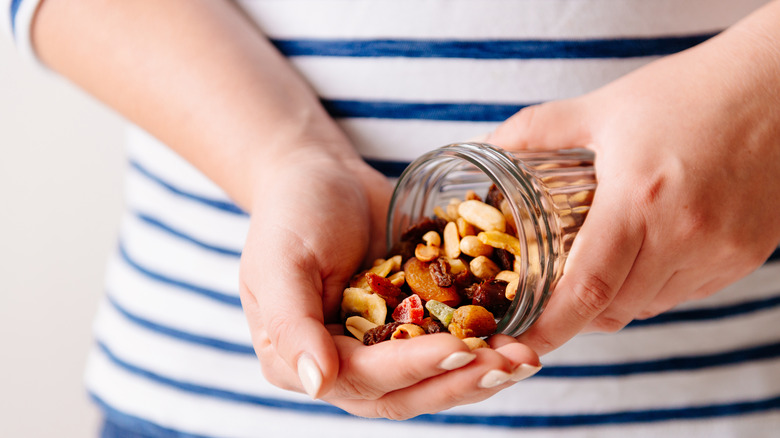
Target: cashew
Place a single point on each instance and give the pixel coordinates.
(483, 268)
(426, 253)
(513, 280)
(483, 216)
(358, 326)
(407, 331)
(472, 246)
(357, 301)
(398, 279)
(451, 241)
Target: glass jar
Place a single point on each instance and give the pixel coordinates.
(546, 196)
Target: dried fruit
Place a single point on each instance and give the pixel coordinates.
(392, 294)
(409, 311)
(440, 271)
(472, 321)
(380, 333)
(419, 279)
(440, 311)
(357, 301)
(431, 325)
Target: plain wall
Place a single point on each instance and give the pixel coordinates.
(60, 200)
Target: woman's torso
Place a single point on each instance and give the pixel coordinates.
(401, 77)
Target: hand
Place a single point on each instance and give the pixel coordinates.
(687, 158)
(311, 229)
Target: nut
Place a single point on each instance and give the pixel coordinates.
(358, 326)
(407, 331)
(483, 216)
(451, 241)
(426, 253)
(465, 228)
(501, 240)
(439, 212)
(484, 268)
(474, 343)
(432, 238)
(357, 301)
(513, 281)
(398, 279)
(472, 246)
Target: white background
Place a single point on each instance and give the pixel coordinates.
(61, 164)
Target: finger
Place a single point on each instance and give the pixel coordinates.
(373, 371)
(285, 289)
(490, 372)
(552, 125)
(599, 263)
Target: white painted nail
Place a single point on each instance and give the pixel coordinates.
(494, 378)
(457, 360)
(525, 371)
(310, 375)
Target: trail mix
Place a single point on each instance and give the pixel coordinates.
(452, 273)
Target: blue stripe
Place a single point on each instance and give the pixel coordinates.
(673, 364)
(120, 425)
(692, 315)
(228, 207)
(492, 49)
(192, 338)
(455, 111)
(388, 168)
(775, 256)
(222, 297)
(156, 223)
(525, 421)
(14, 10)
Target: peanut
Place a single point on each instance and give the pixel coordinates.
(473, 247)
(358, 326)
(407, 331)
(451, 241)
(483, 216)
(483, 268)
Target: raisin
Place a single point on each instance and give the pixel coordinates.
(504, 259)
(490, 294)
(416, 231)
(431, 325)
(440, 271)
(494, 197)
(380, 333)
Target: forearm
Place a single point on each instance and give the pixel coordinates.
(194, 73)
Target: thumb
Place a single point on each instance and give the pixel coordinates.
(552, 125)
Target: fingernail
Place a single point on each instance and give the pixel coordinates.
(524, 371)
(456, 360)
(310, 375)
(494, 378)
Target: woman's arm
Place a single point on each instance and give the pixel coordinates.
(687, 158)
(201, 78)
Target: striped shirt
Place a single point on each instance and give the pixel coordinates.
(173, 356)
